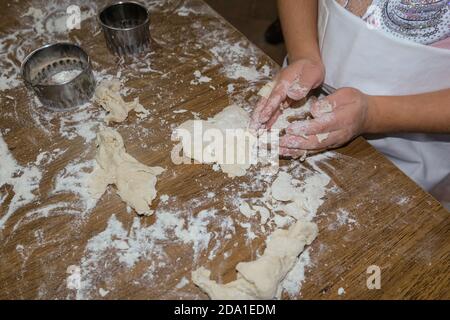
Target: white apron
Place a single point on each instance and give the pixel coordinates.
(379, 64)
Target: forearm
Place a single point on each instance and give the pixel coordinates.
(428, 113)
(299, 23)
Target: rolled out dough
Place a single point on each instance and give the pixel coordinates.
(260, 279)
(135, 181)
(108, 96)
(195, 147)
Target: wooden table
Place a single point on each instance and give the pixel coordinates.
(400, 228)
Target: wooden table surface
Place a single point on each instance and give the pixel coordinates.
(399, 228)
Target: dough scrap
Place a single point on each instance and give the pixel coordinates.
(261, 278)
(264, 213)
(232, 117)
(298, 202)
(282, 189)
(266, 90)
(108, 96)
(135, 181)
(246, 210)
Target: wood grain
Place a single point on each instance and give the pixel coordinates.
(399, 228)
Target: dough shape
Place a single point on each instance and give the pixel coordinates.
(266, 90)
(107, 94)
(232, 117)
(246, 210)
(261, 278)
(282, 189)
(297, 202)
(135, 181)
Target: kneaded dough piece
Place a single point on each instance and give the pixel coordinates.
(108, 96)
(135, 181)
(282, 189)
(260, 279)
(232, 117)
(266, 90)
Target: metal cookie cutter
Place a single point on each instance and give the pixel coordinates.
(60, 74)
(125, 27)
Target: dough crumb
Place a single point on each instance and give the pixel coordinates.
(107, 95)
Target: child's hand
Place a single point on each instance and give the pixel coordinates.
(338, 118)
(291, 84)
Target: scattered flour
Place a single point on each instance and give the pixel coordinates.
(24, 181)
(103, 292)
(183, 282)
(292, 283)
(74, 179)
(199, 78)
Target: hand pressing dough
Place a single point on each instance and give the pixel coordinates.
(135, 181)
(295, 113)
(108, 96)
(232, 117)
(260, 279)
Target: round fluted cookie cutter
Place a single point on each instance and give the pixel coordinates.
(125, 26)
(60, 74)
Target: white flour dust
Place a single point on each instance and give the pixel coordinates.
(73, 179)
(127, 247)
(24, 181)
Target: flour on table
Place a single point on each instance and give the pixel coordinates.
(292, 283)
(233, 155)
(107, 94)
(266, 90)
(199, 78)
(183, 282)
(263, 212)
(135, 181)
(292, 114)
(24, 181)
(261, 278)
